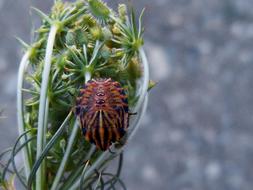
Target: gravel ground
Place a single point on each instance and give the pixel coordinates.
(197, 132)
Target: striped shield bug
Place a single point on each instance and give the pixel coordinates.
(102, 109)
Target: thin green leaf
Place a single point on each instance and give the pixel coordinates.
(98, 46)
(120, 164)
(98, 181)
(74, 56)
(85, 53)
(25, 45)
(140, 23)
(5, 152)
(17, 141)
(49, 145)
(82, 175)
(30, 91)
(71, 18)
(14, 153)
(115, 179)
(133, 21)
(42, 15)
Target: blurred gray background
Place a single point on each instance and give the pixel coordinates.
(197, 133)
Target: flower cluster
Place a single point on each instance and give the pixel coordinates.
(75, 42)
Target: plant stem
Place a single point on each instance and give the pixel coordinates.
(42, 125)
(20, 112)
(65, 157)
(83, 173)
(88, 172)
(87, 76)
(136, 122)
(145, 80)
(143, 96)
(73, 177)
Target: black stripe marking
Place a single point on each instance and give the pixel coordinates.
(84, 131)
(113, 135)
(106, 143)
(98, 138)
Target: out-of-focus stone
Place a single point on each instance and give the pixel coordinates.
(213, 171)
(159, 61)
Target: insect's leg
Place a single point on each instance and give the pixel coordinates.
(109, 149)
(122, 141)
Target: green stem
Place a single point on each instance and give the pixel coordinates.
(20, 112)
(43, 106)
(144, 88)
(143, 96)
(136, 122)
(65, 157)
(120, 164)
(98, 181)
(76, 174)
(88, 172)
(83, 173)
(87, 76)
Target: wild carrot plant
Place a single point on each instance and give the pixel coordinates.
(76, 42)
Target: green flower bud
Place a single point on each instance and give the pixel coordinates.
(62, 144)
(99, 9)
(96, 33)
(81, 37)
(122, 9)
(151, 84)
(115, 29)
(88, 20)
(106, 33)
(70, 38)
(105, 52)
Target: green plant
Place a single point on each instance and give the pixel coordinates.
(76, 42)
